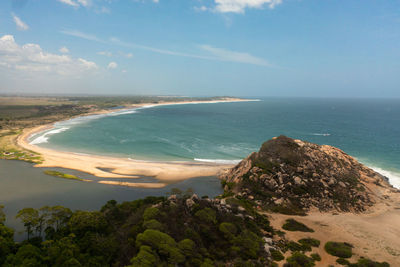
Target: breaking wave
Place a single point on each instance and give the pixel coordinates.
(219, 161)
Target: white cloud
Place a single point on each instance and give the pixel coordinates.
(69, 2)
(213, 53)
(102, 10)
(239, 6)
(64, 50)
(105, 53)
(22, 26)
(200, 8)
(154, 1)
(82, 35)
(31, 58)
(233, 56)
(112, 65)
(76, 3)
(84, 2)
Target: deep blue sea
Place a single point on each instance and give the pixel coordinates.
(368, 129)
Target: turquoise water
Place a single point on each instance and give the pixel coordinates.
(368, 129)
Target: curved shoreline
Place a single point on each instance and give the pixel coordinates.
(165, 172)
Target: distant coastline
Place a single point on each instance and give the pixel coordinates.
(125, 168)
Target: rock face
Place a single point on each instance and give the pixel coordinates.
(293, 176)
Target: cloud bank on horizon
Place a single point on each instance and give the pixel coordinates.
(200, 47)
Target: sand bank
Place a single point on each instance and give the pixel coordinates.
(113, 167)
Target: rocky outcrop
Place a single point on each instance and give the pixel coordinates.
(293, 176)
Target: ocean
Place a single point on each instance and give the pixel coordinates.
(368, 129)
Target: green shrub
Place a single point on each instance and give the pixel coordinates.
(153, 224)
(310, 242)
(299, 260)
(315, 256)
(277, 255)
(293, 246)
(206, 215)
(342, 261)
(150, 213)
(339, 249)
(363, 262)
(293, 225)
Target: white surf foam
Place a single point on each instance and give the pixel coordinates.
(44, 137)
(394, 177)
(219, 161)
(321, 134)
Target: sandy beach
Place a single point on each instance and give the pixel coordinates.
(374, 234)
(113, 167)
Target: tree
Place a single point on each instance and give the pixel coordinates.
(145, 258)
(164, 244)
(82, 222)
(2, 215)
(30, 219)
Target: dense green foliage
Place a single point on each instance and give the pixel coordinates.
(293, 225)
(339, 249)
(153, 231)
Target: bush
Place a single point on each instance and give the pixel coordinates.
(207, 215)
(339, 249)
(299, 260)
(150, 213)
(277, 255)
(293, 225)
(363, 262)
(310, 242)
(315, 256)
(293, 246)
(342, 261)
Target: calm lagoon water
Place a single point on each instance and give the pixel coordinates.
(22, 185)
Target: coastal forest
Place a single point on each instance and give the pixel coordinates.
(181, 230)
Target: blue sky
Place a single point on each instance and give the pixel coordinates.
(328, 48)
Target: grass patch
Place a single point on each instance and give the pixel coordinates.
(339, 249)
(63, 175)
(293, 225)
(312, 242)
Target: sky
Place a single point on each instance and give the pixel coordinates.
(308, 48)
